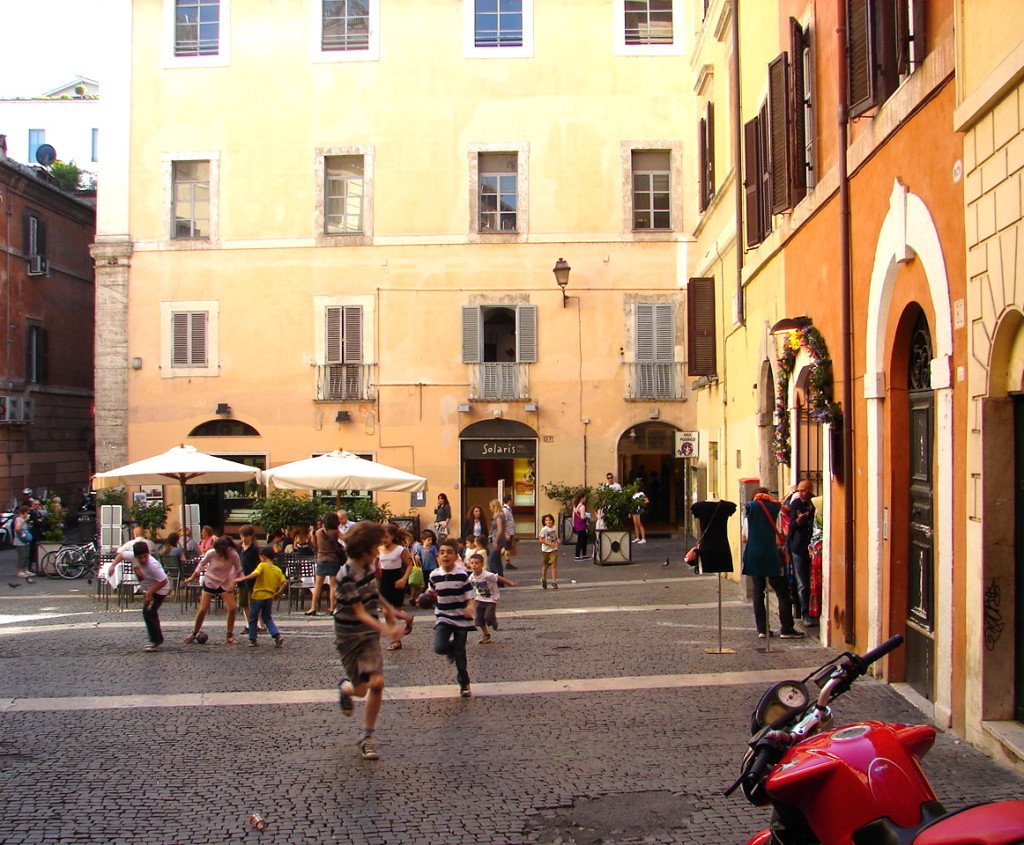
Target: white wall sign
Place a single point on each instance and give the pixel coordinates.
(687, 444)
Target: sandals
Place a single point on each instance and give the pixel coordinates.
(395, 646)
(232, 640)
(311, 612)
(486, 641)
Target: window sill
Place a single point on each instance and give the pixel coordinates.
(341, 239)
(704, 381)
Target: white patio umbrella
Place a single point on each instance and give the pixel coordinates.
(341, 470)
(184, 464)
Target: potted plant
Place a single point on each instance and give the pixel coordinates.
(283, 509)
(615, 510)
(564, 494)
(53, 528)
(152, 517)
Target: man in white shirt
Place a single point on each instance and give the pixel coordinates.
(609, 481)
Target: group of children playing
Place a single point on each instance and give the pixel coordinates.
(463, 599)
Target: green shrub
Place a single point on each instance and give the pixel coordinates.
(152, 517)
(616, 504)
(284, 509)
(565, 494)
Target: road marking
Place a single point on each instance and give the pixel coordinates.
(287, 622)
(12, 619)
(419, 693)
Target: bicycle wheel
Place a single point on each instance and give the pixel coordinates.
(70, 563)
(48, 564)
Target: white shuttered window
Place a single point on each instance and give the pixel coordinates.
(189, 341)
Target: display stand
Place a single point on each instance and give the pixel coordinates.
(719, 650)
(767, 621)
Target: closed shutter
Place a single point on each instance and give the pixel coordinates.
(471, 335)
(917, 36)
(860, 67)
(655, 332)
(709, 145)
(700, 322)
(179, 339)
(41, 237)
(333, 335)
(42, 356)
(798, 139)
(778, 116)
(198, 339)
(526, 334)
(751, 181)
(702, 165)
(764, 163)
(353, 325)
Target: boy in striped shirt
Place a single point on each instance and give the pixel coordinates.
(453, 613)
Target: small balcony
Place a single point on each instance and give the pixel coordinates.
(499, 382)
(661, 380)
(343, 383)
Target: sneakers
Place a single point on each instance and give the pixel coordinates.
(554, 585)
(544, 583)
(153, 647)
(278, 640)
(641, 542)
(792, 635)
(465, 691)
(511, 565)
(345, 700)
(366, 749)
(761, 635)
(253, 643)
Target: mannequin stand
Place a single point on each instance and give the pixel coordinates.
(719, 650)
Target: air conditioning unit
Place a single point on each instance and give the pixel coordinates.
(37, 265)
(15, 409)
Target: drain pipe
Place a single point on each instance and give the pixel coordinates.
(737, 160)
(846, 281)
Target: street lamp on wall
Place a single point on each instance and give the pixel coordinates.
(790, 324)
(561, 271)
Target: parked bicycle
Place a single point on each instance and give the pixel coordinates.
(71, 561)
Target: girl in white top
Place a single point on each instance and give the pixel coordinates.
(21, 547)
(394, 562)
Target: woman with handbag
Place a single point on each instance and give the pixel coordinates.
(761, 562)
(442, 516)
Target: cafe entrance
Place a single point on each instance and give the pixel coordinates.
(500, 450)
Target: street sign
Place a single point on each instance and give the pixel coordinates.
(687, 444)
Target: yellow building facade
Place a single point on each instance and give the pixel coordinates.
(338, 229)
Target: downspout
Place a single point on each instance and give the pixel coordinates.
(737, 160)
(846, 282)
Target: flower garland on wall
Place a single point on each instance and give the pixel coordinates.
(819, 388)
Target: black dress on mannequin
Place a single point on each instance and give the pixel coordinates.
(715, 553)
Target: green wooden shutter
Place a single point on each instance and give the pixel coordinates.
(472, 350)
(526, 334)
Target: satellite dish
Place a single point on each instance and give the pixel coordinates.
(46, 155)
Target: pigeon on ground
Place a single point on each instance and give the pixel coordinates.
(13, 585)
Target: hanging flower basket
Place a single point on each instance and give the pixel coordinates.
(821, 405)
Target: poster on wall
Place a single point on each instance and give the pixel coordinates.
(524, 480)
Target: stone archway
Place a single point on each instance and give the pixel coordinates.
(908, 231)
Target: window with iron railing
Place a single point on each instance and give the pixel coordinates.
(499, 382)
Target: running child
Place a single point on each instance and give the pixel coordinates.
(153, 581)
(358, 629)
(485, 593)
(453, 613)
(270, 585)
(549, 543)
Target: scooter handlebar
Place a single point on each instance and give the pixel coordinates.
(880, 651)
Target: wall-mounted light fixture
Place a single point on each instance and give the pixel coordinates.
(223, 409)
(136, 363)
(655, 413)
(496, 413)
(561, 271)
(530, 407)
(632, 434)
(791, 324)
(343, 417)
(464, 408)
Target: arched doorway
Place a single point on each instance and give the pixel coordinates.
(226, 507)
(646, 451)
(506, 451)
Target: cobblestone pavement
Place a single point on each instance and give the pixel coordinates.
(596, 717)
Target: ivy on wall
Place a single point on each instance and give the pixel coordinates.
(821, 405)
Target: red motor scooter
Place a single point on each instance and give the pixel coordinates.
(861, 784)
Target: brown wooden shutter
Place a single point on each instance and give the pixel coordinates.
(910, 39)
(798, 138)
(889, 43)
(779, 135)
(752, 178)
(860, 67)
(702, 165)
(700, 327)
(710, 145)
(764, 164)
